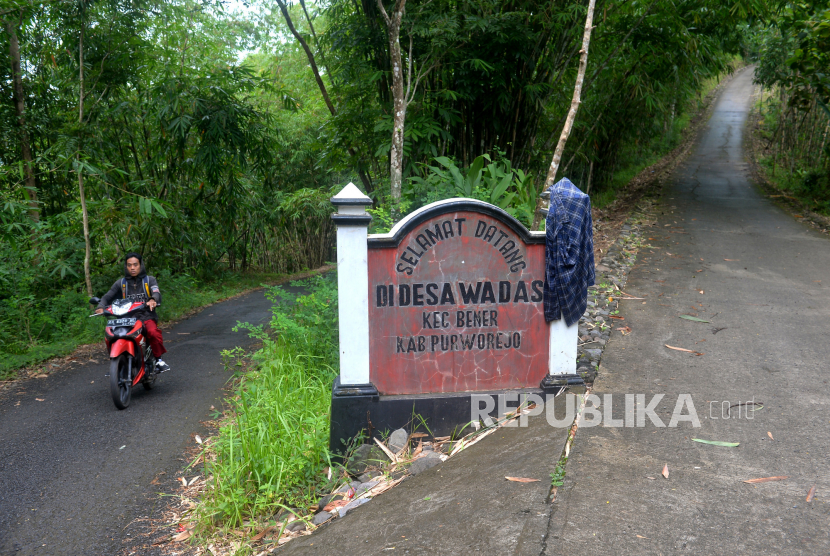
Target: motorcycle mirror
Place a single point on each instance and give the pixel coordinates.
(94, 300)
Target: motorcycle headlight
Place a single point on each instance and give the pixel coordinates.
(121, 331)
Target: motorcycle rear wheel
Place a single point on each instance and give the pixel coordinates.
(120, 384)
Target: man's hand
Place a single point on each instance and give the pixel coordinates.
(99, 311)
(152, 304)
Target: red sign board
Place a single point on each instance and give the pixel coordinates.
(455, 302)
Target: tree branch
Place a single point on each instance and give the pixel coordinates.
(309, 54)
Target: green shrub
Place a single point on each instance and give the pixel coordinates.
(272, 451)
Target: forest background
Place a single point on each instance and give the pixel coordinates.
(209, 135)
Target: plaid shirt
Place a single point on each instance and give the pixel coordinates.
(569, 253)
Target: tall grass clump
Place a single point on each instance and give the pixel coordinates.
(272, 448)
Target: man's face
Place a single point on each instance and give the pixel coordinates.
(133, 266)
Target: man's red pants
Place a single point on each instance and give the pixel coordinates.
(155, 338)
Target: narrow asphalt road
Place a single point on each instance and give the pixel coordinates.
(75, 471)
(725, 253)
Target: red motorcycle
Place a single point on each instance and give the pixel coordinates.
(131, 359)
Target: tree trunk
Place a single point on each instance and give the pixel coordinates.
(78, 158)
(30, 191)
(569, 122)
(393, 29)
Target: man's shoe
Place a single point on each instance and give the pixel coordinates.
(161, 366)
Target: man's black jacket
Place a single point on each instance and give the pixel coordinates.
(140, 288)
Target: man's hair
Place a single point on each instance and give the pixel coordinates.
(132, 256)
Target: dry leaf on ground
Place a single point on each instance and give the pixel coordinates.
(770, 435)
(198, 439)
(666, 470)
(183, 481)
(522, 480)
(261, 535)
(767, 479)
(336, 504)
(811, 493)
(183, 536)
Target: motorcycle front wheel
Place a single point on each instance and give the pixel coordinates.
(120, 384)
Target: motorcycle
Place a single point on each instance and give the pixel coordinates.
(128, 349)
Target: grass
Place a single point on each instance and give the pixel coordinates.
(271, 451)
(64, 318)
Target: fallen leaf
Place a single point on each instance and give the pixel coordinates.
(770, 435)
(683, 349)
(811, 493)
(522, 480)
(39, 400)
(334, 505)
(625, 330)
(259, 536)
(731, 260)
(642, 537)
(798, 216)
(689, 317)
(183, 481)
(767, 479)
(617, 317)
(666, 470)
(41, 375)
(652, 478)
(198, 439)
(193, 480)
(701, 292)
(717, 442)
(183, 536)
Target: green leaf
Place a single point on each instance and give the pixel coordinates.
(499, 190)
(159, 208)
(690, 317)
(717, 442)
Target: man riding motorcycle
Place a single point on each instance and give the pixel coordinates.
(138, 286)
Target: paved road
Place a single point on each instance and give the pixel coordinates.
(770, 300)
(67, 487)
